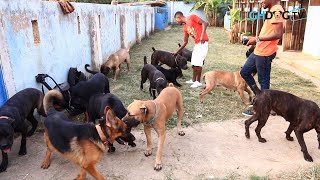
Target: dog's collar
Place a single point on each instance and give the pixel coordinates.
(102, 135)
(160, 78)
(4, 117)
(175, 60)
(155, 114)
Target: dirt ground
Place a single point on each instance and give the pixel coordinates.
(210, 150)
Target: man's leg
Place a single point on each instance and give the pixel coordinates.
(264, 70)
(199, 73)
(248, 68)
(194, 77)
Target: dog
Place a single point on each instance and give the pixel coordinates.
(303, 115)
(114, 62)
(185, 53)
(95, 110)
(12, 119)
(168, 59)
(83, 90)
(75, 76)
(157, 79)
(155, 114)
(229, 80)
(171, 74)
(83, 144)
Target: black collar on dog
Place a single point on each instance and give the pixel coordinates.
(104, 131)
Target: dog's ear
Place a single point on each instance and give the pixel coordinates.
(144, 109)
(110, 119)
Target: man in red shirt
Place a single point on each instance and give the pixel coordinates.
(195, 27)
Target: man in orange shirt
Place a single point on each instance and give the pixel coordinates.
(266, 48)
(195, 27)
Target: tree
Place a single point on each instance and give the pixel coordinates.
(210, 8)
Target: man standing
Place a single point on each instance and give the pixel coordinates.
(195, 27)
(266, 47)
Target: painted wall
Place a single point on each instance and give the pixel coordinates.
(89, 34)
(312, 36)
(174, 6)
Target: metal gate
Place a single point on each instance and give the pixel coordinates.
(161, 16)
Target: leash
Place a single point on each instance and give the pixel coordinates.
(155, 114)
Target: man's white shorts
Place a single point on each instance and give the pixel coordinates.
(199, 53)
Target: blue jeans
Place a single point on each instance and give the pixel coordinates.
(261, 65)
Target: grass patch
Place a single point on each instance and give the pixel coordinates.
(221, 104)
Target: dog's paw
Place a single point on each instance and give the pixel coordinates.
(262, 140)
(157, 166)
(45, 165)
(3, 168)
(132, 144)
(22, 152)
(148, 152)
(289, 138)
(307, 157)
(247, 135)
(181, 133)
(111, 149)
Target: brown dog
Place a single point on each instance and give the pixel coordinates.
(303, 115)
(83, 144)
(114, 62)
(154, 114)
(229, 80)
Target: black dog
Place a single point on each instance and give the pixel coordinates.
(157, 79)
(12, 119)
(75, 76)
(83, 90)
(168, 59)
(186, 53)
(302, 114)
(171, 74)
(95, 110)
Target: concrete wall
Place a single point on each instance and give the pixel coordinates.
(312, 36)
(174, 6)
(89, 34)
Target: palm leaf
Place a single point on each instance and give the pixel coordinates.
(197, 5)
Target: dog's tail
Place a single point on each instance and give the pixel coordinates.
(256, 90)
(153, 49)
(88, 70)
(179, 44)
(49, 98)
(204, 77)
(170, 85)
(145, 60)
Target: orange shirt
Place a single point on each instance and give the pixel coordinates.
(194, 29)
(267, 48)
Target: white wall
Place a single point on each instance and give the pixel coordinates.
(312, 33)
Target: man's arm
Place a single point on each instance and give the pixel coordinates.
(185, 39)
(204, 28)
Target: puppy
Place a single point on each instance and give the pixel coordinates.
(155, 114)
(229, 80)
(186, 53)
(12, 119)
(95, 110)
(303, 115)
(157, 79)
(114, 62)
(83, 144)
(171, 74)
(83, 90)
(168, 59)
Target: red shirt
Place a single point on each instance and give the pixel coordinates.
(194, 29)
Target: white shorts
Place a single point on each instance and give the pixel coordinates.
(199, 53)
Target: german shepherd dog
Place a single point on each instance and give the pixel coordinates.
(83, 144)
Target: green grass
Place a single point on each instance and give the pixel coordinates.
(221, 104)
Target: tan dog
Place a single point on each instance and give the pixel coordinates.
(229, 80)
(114, 62)
(154, 114)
